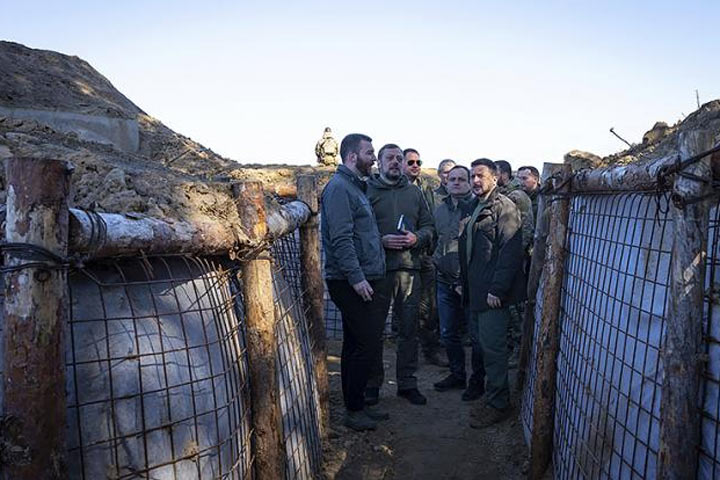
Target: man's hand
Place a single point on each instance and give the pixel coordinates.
(410, 238)
(493, 301)
(399, 241)
(458, 289)
(393, 241)
(364, 290)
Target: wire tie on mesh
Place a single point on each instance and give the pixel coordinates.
(38, 257)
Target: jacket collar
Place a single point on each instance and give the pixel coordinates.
(488, 201)
(448, 201)
(351, 177)
(376, 181)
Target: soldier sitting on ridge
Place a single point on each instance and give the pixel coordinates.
(326, 149)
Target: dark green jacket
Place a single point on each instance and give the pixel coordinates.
(447, 224)
(440, 193)
(389, 202)
(351, 241)
(534, 199)
(427, 192)
(496, 257)
(522, 201)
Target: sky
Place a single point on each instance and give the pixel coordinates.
(523, 81)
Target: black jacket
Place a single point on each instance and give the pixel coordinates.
(495, 264)
(389, 202)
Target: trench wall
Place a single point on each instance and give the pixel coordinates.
(157, 369)
(613, 309)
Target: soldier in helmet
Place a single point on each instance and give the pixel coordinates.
(326, 149)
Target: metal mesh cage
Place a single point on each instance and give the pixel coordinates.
(157, 371)
(298, 390)
(612, 315)
(528, 393)
(709, 458)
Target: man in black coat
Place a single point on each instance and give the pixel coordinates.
(490, 250)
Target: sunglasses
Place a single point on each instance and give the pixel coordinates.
(413, 162)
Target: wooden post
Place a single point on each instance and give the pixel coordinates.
(312, 283)
(542, 225)
(36, 312)
(268, 447)
(541, 439)
(681, 355)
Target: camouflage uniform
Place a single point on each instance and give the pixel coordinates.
(429, 322)
(534, 199)
(326, 149)
(524, 204)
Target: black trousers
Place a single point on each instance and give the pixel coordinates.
(363, 324)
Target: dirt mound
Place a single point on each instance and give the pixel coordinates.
(170, 175)
(661, 140)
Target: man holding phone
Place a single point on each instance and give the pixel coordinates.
(407, 230)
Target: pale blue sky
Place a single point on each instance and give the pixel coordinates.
(524, 81)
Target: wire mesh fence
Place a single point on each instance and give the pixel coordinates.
(613, 309)
(298, 390)
(157, 369)
(709, 458)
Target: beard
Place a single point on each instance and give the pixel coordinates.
(364, 167)
(392, 174)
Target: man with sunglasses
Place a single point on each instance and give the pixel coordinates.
(429, 321)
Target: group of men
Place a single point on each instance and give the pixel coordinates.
(460, 250)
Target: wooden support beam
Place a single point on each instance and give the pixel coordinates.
(312, 283)
(268, 447)
(681, 355)
(633, 177)
(541, 439)
(542, 225)
(98, 235)
(36, 312)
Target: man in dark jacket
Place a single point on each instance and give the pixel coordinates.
(407, 230)
(428, 328)
(529, 177)
(447, 264)
(490, 249)
(355, 274)
(511, 188)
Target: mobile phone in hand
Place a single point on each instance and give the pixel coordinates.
(401, 224)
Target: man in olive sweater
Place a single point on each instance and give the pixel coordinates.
(407, 230)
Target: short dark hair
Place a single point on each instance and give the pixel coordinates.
(387, 146)
(351, 144)
(461, 167)
(445, 162)
(533, 171)
(486, 162)
(503, 166)
(410, 150)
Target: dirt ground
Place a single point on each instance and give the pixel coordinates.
(432, 441)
